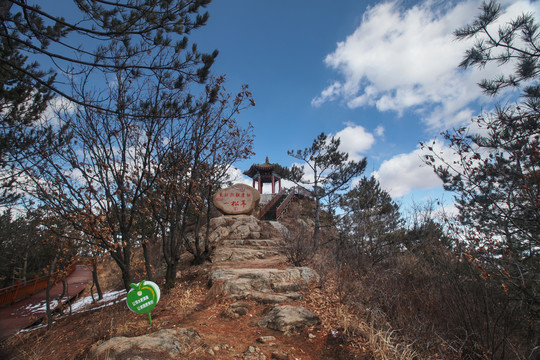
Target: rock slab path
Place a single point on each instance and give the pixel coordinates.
(258, 291)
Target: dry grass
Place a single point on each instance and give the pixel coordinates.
(368, 334)
(427, 305)
(73, 336)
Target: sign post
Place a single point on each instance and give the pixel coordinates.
(143, 297)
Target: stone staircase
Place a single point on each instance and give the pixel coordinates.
(257, 292)
(251, 266)
(248, 265)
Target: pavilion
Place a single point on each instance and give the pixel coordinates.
(264, 173)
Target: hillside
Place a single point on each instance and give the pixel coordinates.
(221, 303)
(339, 302)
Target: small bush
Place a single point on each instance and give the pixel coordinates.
(436, 301)
(299, 245)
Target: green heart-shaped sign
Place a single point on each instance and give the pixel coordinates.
(143, 297)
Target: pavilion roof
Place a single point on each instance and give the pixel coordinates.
(264, 168)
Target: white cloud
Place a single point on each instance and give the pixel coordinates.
(405, 172)
(355, 140)
(56, 108)
(330, 93)
(379, 130)
(236, 176)
(401, 59)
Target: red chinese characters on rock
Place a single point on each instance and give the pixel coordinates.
(234, 199)
(237, 199)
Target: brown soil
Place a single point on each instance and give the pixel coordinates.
(185, 306)
(189, 305)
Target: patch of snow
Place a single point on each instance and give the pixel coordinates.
(39, 308)
(79, 306)
(40, 326)
(109, 298)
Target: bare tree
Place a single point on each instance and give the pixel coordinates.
(196, 163)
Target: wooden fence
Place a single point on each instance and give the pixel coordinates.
(21, 290)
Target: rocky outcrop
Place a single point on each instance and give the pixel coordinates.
(163, 344)
(263, 285)
(234, 227)
(237, 309)
(286, 318)
(243, 272)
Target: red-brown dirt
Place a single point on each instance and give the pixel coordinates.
(186, 306)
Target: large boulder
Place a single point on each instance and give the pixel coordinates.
(286, 318)
(237, 199)
(263, 285)
(164, 344)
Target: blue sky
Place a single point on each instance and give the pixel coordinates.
(382, 76)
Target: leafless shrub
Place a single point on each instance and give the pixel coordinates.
(425, 302)
(299, 245)
(384, 346)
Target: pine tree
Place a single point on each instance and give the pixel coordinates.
(152, 34)
(331, 170)
(21, 105)
(370, 218)
(496, 170)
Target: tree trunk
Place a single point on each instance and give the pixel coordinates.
(170, 275)
(60, 306)
(197, 243)
(317, 194)
(316, 230)
(25, 266)
(48, 292)
(207, 248)
(171, 254)
(92, 293)
(95, 279)
(122, 258)
(64, 288)
(126, 278)
(147, 264)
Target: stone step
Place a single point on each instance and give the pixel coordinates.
(271, 262)
(253, 243)
(265, 297)
(263, 285)
(241, 254)
(286, 318)
(270, 275)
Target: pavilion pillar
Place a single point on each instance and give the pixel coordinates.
(273, 184)
(260, 185)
